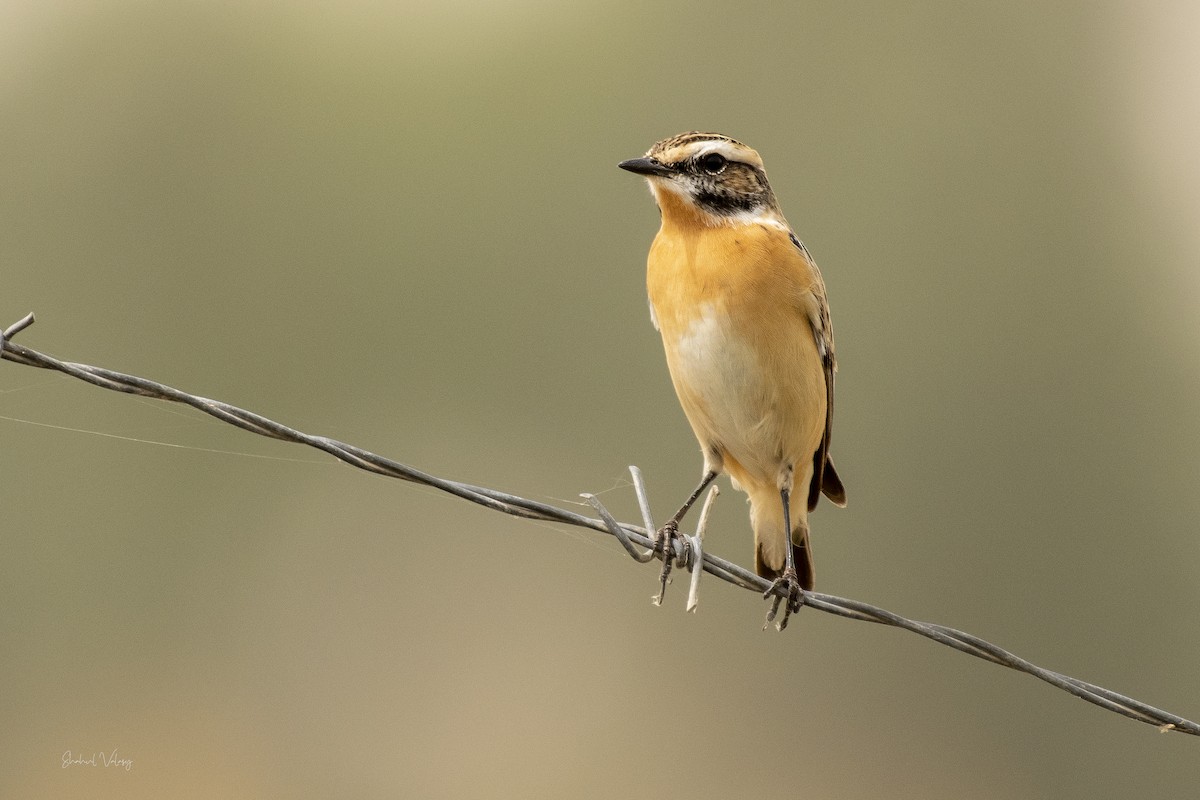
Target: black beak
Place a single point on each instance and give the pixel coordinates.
(647, 166)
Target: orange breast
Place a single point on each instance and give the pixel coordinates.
(731, 304)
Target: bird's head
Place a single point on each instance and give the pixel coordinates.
(706, 176)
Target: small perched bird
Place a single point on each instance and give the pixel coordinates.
(742, 311)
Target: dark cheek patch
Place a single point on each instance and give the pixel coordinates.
(740, 188)
(720, 202)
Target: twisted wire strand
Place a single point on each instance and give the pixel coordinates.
(627, 533)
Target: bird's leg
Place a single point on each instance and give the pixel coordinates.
(789, 581)
(664, 541)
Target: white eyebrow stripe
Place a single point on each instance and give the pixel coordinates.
(726, 149)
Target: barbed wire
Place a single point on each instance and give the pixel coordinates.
(686, 551)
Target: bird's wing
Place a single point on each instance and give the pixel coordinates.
(825, 478)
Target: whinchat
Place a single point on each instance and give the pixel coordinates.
(744, 320)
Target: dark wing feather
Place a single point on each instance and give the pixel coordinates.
(825, 478)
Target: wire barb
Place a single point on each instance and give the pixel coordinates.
(630, 536)
(697, 548)
(12, 330)
(640, 556)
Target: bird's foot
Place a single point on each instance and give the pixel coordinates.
(785, 591)
(664, 543)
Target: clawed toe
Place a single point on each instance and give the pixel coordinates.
(664, 543)
(786, 586)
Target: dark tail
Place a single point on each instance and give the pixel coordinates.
(831, 485)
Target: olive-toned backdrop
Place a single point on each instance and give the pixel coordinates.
(401, 225)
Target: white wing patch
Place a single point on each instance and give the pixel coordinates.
(819, 335)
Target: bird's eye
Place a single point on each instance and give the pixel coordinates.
(713, 163)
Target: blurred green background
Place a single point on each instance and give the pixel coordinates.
(401, 225)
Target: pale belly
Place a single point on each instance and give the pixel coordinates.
(760, 403)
